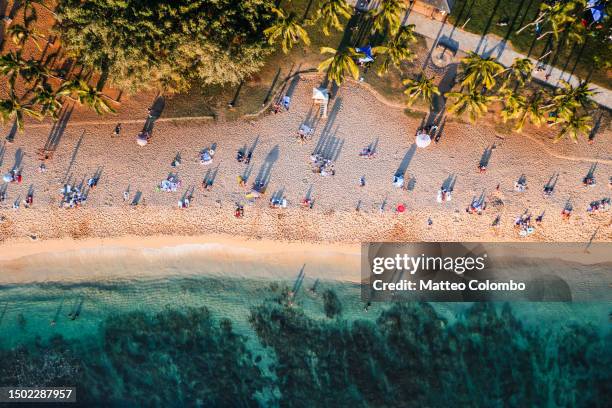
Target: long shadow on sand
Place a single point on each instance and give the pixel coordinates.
(263, 177)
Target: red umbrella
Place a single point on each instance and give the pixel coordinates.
(401, 208)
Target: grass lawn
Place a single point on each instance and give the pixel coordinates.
(480, 16)
(252, 94)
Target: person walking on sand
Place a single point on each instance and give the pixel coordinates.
(29, 200)
(117, 130)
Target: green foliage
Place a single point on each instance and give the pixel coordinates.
(167, 44)
(422, 87)
(341, 63)
(12, 108)
(330, 13)
(387, 16)
(397, 49)
(83, 93)
(473, 102)
(287, 30)
(477, 72)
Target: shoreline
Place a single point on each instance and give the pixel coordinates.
(21, 248)
(69, 260)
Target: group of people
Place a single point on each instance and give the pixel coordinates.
(523, 223)
(589, 180)
(599, 206)
(520, 186)
(13, 176)
(283, 103)
(72, 196)
(184, 202)
(321, 165)
(278, 202)
(367, 152)
(206, 156)
(477, 206)
(170, 184)
(566, 213)
(445, 194)
(242, 157)
(305, 133)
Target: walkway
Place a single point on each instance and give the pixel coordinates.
(492, 45)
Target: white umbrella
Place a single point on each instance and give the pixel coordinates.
(423, 139)
(7, 177)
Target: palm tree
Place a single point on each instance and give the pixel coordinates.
(20, 34)
(567, 99)
(80, 91)
(33, 70)
(519, 71)
(397, 49)
(423, 87)
(341, 62)
(11, 65)
(563, 15)
(11, 108)
(474, 102)
(287, 29)
(47, 99)
(548, 12)
(330, 12)
(388, 16)
(534, 110)
(477, 71)
(514, 105)
(581, 94)
(574, 126)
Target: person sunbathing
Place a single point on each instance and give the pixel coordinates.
(520, 186)
(366, 152)
(307, 203)
(548, 190)
(589, 181)
(566, 213)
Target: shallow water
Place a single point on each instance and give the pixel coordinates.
(181, 281)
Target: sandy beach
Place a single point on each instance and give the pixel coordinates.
(357, 119)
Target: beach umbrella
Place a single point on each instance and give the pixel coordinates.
(141, 140)
(401, 208)
(423, 139)
(7, 177)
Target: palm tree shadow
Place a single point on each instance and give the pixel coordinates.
(486, 29)
(405, 163)
(263, 177)
(58, 129)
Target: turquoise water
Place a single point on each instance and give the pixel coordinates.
(150, 342)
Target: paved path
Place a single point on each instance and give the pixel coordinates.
(492, 45)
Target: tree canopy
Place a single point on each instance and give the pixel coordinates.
(167, 44)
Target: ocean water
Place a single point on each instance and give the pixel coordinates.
(109, 334)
